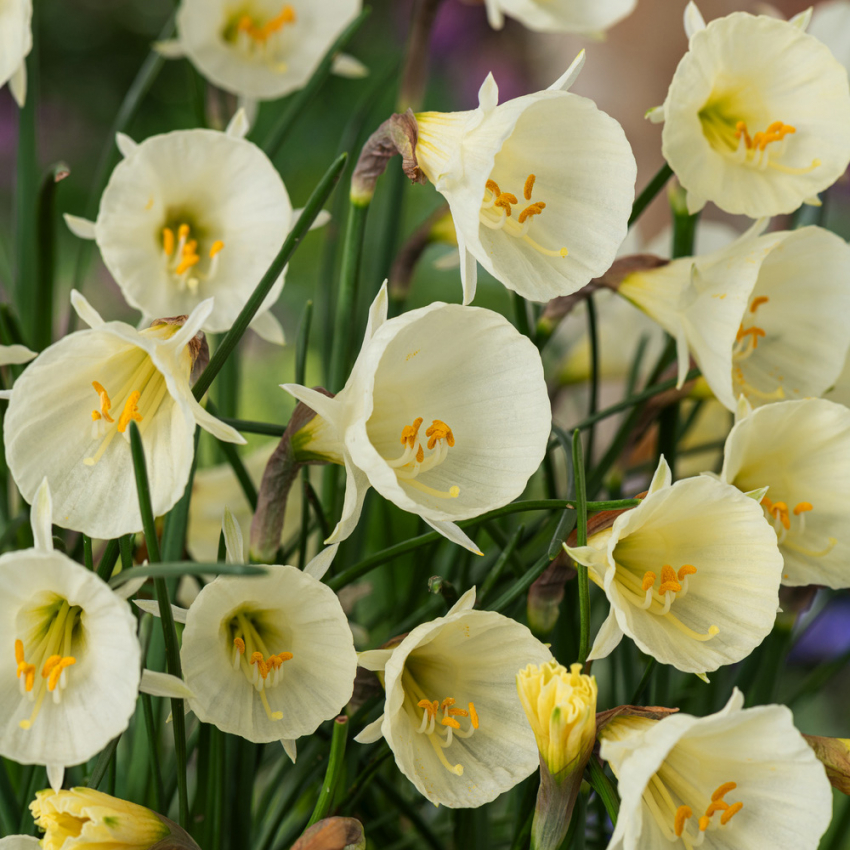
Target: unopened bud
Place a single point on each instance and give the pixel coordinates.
(834, 753)
(333, 834)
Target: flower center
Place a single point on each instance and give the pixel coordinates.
(667, 786)
(783, 519)
(440, 722)
(497, 213)
(746, 343)
(673, 586)
(182, 257)
(49, 653)
(258, 37)
(263, 669)
(413, 461)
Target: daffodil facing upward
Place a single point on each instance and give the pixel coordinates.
(762, 317)
(800, 450)
(190, 215)
(742, 778)
(692, 574)
(451, 716)
(69, 411)
(258, 49)
(588, 17)
(757, 117)
(540, 187)
(70, 660)
(445, 414)
(15, 45)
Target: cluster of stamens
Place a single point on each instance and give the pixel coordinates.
(182, 257)
(781, 516)
(262, 32)
(746, 343)
(756, 149)
(440, 722)
(50, 658)
(413, 461)
(497, 214)
(261, 42)
(718, 804)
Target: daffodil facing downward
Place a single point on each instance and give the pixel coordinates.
(757, 117)
(762, 317)
(800, 450)
(258, 49)
(540, 187)
(15, 45)
(445, 414)
(452, 717)
(692, 574)
(69, 412)
(742, 778)
(70, 665)
(190, 215)
(587, 17)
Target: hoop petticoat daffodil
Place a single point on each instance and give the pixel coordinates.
(452, 716)
(540, 187)
(15, 45)
(757, 117)
(763, 317)
(445, 414)
(69, 411)
(588, 17)
(800, 450)
(259, 49)
(190, 215)
(738, 778)
(70, 659)
(692, 574)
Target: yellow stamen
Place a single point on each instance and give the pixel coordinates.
(190, 248)
(105, 403)
(410, 432)
(730, 813)
(668, 580)
(682, 814)
(420, 455)
(648, 581)
(686, 570)
(183, 231)
(757, 302)
(493, 186)
(529, 185)
(439, 431)
(704, 823)
(216, 247)
(56, 671)
(754, 332)
(168, 241)
(716, 806)
(239, 644)
(774, 133)
(430, 707)
(802, 507)
(450, 721)
(131, 411)
(473, 716)
(532, 209)
(722, 790)
(186, 263)
(504, 201)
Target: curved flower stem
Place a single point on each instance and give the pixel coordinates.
(647, 196)
(601, 784)
(593, 400)
(335, 763)
(581, 534)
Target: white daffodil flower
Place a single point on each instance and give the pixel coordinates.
(763, 317)
(742, 778)
(800, 450)
(70, 666)
(260, 49)
(755, 135)
(540, 187)
(15, 45)
(268, 658)
(445, 414)
(190, 215)
(692, 574)
(70, 404)
(19, 842)
(452, 716)
(587, 17)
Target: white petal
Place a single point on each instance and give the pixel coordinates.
(694, 21)
(125, 144)
(151, 606)
(55, 776)
(16, 354)
(377, 312)
(374, 659)
(356, 487)
(171, 49)
(19, 842)
(290, 748)
(323, 405)
(488, 95)
(164, 685)
(802, 19)
(267, 327)
(465, 603)
(85, 310)
(42, 518)
(18, 84)
(238, 125)
(319, 565)
(468, 271)
(607, 638)
(371, 732)
(319, 221)
(220, 430)
(565, 81)
(345, 65)
(81, 227)
(452, 532)
(662, 478)
(130, 588)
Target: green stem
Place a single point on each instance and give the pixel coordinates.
(647, 196)
(520, 306)
(174, 530)
(601, 784)
(593, 396)
(101, 766)
(153, 745)
(581, 540)
(307, 95)
(9, 804)
(88, 558)
(248, 426)
(231, 339)
(177, 569)
(46, 264)
(108, 560)
(335, 763)
(644, 681)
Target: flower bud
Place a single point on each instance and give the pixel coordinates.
(561, 707)
(87, 820)
(333, 834)
(834, 754)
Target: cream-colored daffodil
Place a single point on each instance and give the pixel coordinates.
(268, 658)
(445, 414)
(801, 451)
(587, 17)
(452, 717)
(190, 215)
(260, 49)
(763, 317)
(742, 778)
(757, 117)
(19, 842)
(70, 665)
(86, 819)
(69, 412)
(692, 574)
(540, 187)
(15, 45)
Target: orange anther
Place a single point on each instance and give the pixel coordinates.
(186, 263)
(410, 432)
(168, 241)
(217, 246)
(420, 455)
(529, 185)
(458, 712)
(439, 431)
(504, 202)
(105, 403)
(754, 332)
(183, 231)
(668, 580)
(450, 721)
(493, 186)
(730, 813)
(430, 707)
(703, 823)
(682, 814)
(757, 302)
(473, 716)
(239, 644)
(130, 411)
(532, 209)
(19, 651)
(716, 806)
(56, 672)
(648, 581)
(802, 507)
(722, 790)
(686, 570)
